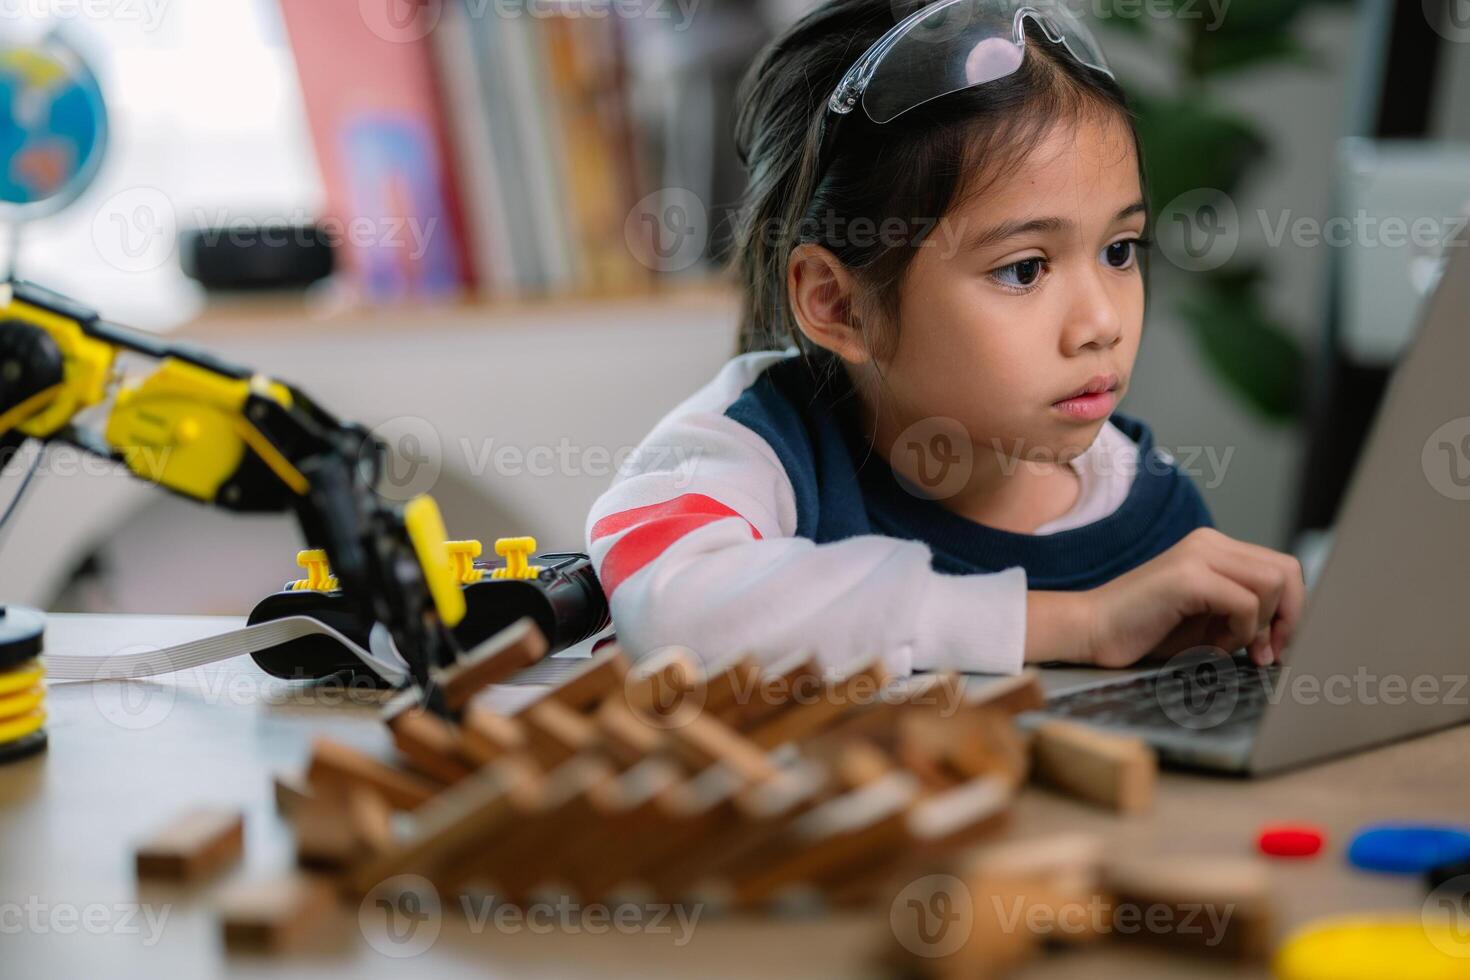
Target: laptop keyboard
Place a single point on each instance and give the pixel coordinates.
(1213, 698)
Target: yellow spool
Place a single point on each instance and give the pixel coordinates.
(21, 677)
(14, 705)
(14, 728)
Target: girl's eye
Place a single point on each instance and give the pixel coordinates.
(1122, 255)
(1020, 275)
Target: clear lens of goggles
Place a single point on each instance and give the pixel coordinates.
(953, 45)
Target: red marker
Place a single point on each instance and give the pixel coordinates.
(1289, 840)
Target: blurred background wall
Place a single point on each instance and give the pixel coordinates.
(527, 216)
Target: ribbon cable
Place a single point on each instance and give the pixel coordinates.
(223, 646)
(381, 657)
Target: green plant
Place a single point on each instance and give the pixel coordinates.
(1191, 142)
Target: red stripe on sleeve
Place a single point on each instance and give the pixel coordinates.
(653, 528)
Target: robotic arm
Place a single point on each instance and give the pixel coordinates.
(224, 435)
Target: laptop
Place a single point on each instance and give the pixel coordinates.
(1381, 652)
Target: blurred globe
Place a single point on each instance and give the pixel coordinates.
(53, 126)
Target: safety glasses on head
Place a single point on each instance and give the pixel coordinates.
(946, 47)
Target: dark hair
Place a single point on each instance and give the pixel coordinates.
(917, 165)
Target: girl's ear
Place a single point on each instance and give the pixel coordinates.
(821, 291)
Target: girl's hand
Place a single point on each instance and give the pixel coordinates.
(1208, 589)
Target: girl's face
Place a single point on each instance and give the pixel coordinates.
(1024, 295)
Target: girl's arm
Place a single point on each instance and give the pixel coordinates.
(695, 544)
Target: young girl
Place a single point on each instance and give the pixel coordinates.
(919, 456)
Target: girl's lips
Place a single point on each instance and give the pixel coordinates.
(1087, 408)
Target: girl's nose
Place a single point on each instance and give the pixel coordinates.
(1094, 320)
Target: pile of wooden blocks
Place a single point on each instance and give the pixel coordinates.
(655, 781)
(740, 788)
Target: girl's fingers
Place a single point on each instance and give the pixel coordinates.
(1293, 600)
(1260, 650)
(1238, 604)
(1260, 570)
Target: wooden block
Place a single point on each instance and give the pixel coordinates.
(555, 733)
(1109, 770)
(879, 722)
(691, 813)
(960, 816)
(624, 735)
(324, 831)
(486, 735)
(631, 819)
(1053, 881)
(275, 914)
(1021, 893)
(860, 763)
(602, 676)
(1012, 695)
(1042, 857)
(512, 649)
(196, 844)
(728, 694)
(700, 740)
(371, 819)
(759, 816)
(292, 790)
(795, 679)
(801, 720)
(664, 682)
(963, 746)
(526, 853)
(457, 823)
(337, 768)
(991, 946)
(431, 744)
(935, 827)
(1208, 904)
(863, 827)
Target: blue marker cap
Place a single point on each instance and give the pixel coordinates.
(1408, 848)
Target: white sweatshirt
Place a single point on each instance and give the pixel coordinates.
(699, 540)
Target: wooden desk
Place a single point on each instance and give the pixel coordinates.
(127, 756)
